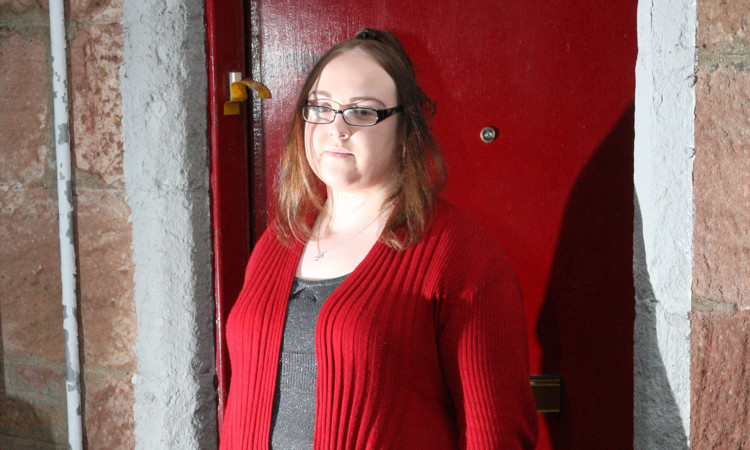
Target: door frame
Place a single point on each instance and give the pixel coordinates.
(229, 174)
(227, 49)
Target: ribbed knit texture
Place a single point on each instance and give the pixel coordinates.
(420, 348)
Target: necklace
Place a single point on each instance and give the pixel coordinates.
(321, 254)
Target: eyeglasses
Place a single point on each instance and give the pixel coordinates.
(357, 116)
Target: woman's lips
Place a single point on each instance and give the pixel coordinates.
(337, 153)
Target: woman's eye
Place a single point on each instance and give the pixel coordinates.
(364, 112)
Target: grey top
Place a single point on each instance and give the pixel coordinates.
(293, 418)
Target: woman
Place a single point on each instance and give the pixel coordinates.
(374, 315)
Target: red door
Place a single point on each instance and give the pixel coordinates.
(556, 81)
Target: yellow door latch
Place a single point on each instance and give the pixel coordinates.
(238, 92)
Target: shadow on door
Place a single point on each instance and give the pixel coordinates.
(585, 326)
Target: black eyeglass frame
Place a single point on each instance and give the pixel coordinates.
(381, 113)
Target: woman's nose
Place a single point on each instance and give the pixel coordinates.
(339, 128)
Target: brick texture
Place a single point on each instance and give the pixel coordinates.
(96, 56)
(75, 10)
(32, 414)
(99, 11)
(721, 22)
(719, 376)
(722, 186)
(109, 410)
(32, 368)
(106, 280)
(720, 321)
(25, 111)
(24, 425)
(30, 275)
(19, 6)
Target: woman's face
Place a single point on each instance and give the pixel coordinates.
(347, 157)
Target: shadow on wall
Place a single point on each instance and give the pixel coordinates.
(657, 418)
(20, 425)
(585, 325)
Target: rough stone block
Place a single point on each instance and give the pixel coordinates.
(96, 56)
(34, 403)
(30, 274)
(721, 174)
(25, 109)
(19, 6)
(722, 21)
(22, 423)
(100, 11)
(720, 417)
(106, 280)
(37, 378)
(109, 410)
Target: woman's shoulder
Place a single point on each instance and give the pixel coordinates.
(268, 238)
(269, 241)
(463, 252)
(461, 237)
(460, 226)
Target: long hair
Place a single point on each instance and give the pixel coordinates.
(300, 195)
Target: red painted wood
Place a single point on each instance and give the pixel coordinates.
(230, 205)
(557, 81)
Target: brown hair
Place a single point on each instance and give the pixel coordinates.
(300, 195)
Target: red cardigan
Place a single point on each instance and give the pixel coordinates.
(420, 348)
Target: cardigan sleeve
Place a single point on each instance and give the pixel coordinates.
(484, 356)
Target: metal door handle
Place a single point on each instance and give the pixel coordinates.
(238, 92)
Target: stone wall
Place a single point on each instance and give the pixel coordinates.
(720, 319)
(32, 374)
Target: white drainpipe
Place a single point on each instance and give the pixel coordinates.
(65, 216)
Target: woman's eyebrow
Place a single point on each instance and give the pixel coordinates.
(319, 94)
(365, 98)
(327, 95)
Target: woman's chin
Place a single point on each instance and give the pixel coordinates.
(339, 181)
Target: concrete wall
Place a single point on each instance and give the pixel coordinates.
(662, 257)
(32, 373)
(720, 319)
(164, 86)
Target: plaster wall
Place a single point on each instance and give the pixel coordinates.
(164, 84)
(663, 248)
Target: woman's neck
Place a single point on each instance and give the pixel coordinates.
(345, 211)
